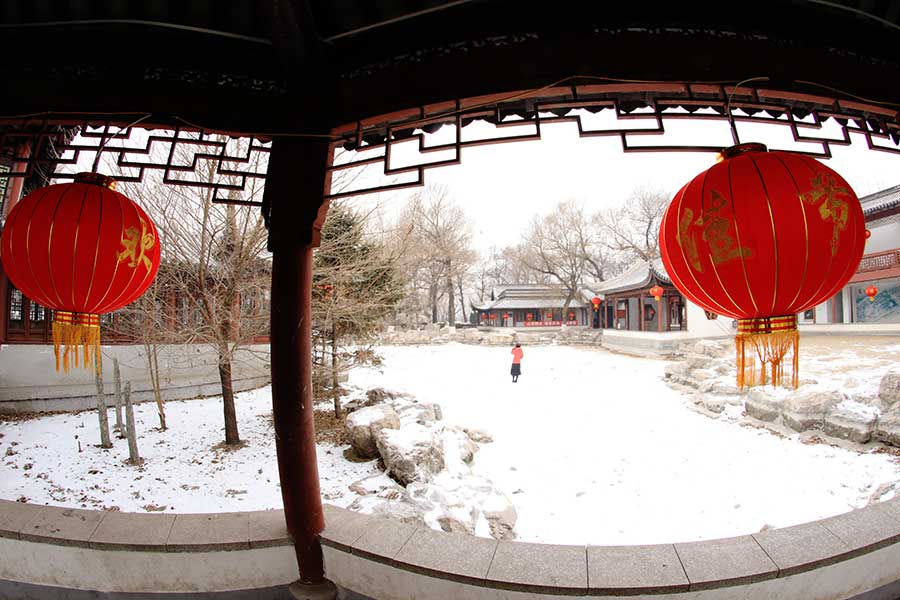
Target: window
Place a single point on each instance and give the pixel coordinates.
(16, 313)
(37, 313)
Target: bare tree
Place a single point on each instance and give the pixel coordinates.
(633, 228)
(102, 414)
(441, 252)
(215, 264)
(556, 247)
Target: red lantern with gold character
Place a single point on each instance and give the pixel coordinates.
(82, 249)
(760, 237)
(871, 292)
(656, 291)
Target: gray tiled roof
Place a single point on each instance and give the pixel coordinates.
(638, 276)
(880, 200)
(524, 296)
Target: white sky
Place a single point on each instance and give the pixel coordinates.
(502, 186)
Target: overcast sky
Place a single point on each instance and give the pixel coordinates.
(502, 186)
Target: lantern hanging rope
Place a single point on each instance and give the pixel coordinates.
(759, 237)
(81, 249)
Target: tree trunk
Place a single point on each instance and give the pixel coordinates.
(101, 410)
(462, 299)
(432, 292)
(133, 456)
(120, 427)
(153, 362)
(231, 428)
(451, 301)
(335, 386)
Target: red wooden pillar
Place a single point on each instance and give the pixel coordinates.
(641, 312)
(4, 304)
(295, 186)
(659, 313)
(13, 194)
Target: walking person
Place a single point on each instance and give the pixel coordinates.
(516, 369)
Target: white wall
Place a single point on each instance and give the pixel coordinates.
(29, 381)
(698, 326)
(885, 235)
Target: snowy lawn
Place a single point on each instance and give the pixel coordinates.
(185, 468)
(590, 446)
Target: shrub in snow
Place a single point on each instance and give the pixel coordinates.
(364, 424)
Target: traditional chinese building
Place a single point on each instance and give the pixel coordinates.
(532, 305)
(628, 302)
(878, 269)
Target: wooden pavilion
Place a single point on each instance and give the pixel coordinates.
(628, 302)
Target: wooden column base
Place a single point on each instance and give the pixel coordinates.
(313, 591)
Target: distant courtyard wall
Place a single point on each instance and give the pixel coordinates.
(29, 382)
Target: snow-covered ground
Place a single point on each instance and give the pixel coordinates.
(590, 446)
(185, 470)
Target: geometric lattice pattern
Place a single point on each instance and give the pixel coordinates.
(185, 157)
(402, 146)
(639, 115)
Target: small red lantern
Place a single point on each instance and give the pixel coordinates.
(596, 302)
(868, 234)
(571, 316)
(528, 316)
(484, 316)
(549, 316)
(81, 249)
(505, 315)
(871, 292)
(760, 237)
(656, 291)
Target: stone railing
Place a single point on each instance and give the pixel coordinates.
(248, 555)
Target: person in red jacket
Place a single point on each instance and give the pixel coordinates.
(516, 369)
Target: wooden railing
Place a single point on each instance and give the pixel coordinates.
(879, 261)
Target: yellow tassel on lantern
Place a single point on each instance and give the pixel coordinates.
(71, 331)
(771, 338)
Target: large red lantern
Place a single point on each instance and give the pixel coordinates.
(760, 237)
(82, 249)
